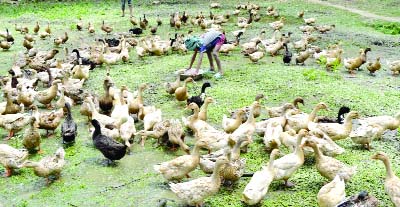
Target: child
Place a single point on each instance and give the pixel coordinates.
(123, 7)
(209, 43)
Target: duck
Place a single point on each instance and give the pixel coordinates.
(195, 191)
(287, 56)
(230, 125)
(106, 100)
(11, 107)
(159, 130)
(256, 56)
(150, 120)
(181, 93)
(256, 112)
(309, 21)
(90, 28)
(277, 25)
(179, 167)
(334, 130)
(80, 71)
(324, 28)
(63, 100)
(272, 135)
(69, 129)
(287, 165)
(11, 158)
(329, 167)
(31, 137)
(14, 123)
(297, 121)
(340, 117)
(332, 193)
(199, 99)
(273, 49)
(127, 130)
(203, 109)
(107, 29)
(258, 186)
(355, 63)
(392, 182)
(193, 122)
(365, 133)
(250, 47)
(120, 109)
(302, 57)
(50, 120)
(374, 66)
(46, 96)
(246, 129)
(300, 14)
(212, 139)
(134, 104)
(385, 122)
(101, 118)
(170, 87)
(144, 111)
(5, 45)
(142, 24)
(325, 144)
(110, 148)
(279, 111)
(176, 135)
(26, 96)
(234, 170)
(395, 67)
(360, 199)
(48, 166)
(28, 45)
(36, 28)
(79, 25)
(83, 60)
(47, 29)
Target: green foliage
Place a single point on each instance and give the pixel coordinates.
(314, 74)
(391, 28)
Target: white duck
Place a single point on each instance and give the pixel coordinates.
(258, 186)
(332, 193)
(195, 191)
(287, 165)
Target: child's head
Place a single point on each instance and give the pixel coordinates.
(193, 42)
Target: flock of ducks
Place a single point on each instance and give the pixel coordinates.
(114, 114)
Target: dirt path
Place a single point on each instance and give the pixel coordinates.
(357, 11)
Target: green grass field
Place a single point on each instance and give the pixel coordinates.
(133, 182)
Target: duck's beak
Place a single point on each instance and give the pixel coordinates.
(374, 157)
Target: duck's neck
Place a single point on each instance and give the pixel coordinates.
(317, 152)
(204, 108)
(298, 150)
(196, 151)
(251, 119)
(271, 161)
(313, 114)
(235, 152)
(140, 95)
(348, 124)
(97, 131)
(389, 171)
(93, 108)
(195, 113)
(216, 178)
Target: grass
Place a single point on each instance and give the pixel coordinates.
(133, 182)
